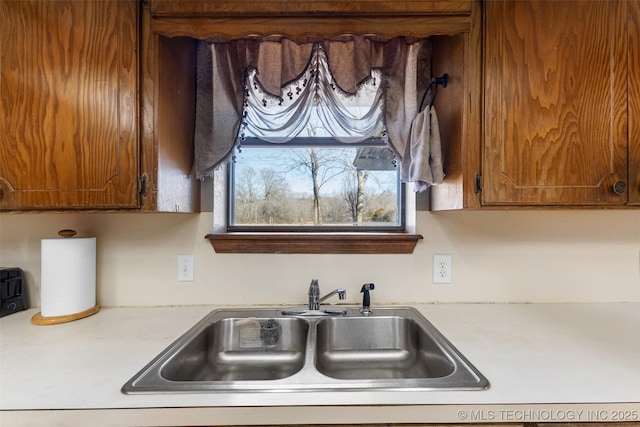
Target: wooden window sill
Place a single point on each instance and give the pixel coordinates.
(314, 243)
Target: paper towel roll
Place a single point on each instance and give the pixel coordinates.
(68, 276)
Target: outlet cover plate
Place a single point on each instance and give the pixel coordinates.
(442, 269)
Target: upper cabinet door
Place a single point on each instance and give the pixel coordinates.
(68, 110)
(634, 102)
(555, 103)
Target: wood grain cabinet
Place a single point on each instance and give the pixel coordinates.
(561, 103)
(71, 130)
(634, 102)
(233, 8)
(68, 80)
(559, 96)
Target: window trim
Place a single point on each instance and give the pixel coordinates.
(314, 243)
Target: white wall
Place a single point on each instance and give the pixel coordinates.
(498, 256)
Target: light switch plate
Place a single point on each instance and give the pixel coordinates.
(185, 268)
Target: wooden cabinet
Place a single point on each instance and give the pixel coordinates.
(561, 109)
(77, 129)
(97, 97)
(634, 102)
(167, 117)
(68, 113)
(556, 103)
(234, 8)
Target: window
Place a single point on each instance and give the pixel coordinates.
(325, 177)
(315, 186)
(311, 151)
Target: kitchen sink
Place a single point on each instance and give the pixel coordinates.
(274, 350)
(379, 348)
(220, 352)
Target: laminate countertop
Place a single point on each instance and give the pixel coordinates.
(545, 362)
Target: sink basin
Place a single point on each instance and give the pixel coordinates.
(379, 348)
(219, 352)
(274, 350)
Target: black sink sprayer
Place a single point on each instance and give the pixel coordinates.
(366, 298)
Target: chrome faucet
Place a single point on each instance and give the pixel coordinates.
(314, 295)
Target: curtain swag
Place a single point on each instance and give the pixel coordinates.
(313, 105)
(223, 67)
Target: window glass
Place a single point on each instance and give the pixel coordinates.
(315, 158)
(315, 186)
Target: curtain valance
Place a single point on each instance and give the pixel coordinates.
(223, 68)
(313, 106)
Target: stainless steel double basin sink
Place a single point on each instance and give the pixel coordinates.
(238, 350)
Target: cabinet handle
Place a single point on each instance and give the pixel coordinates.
(619, 187)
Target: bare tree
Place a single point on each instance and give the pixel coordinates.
(321, 165)
(353, 193)
(246, 210)
(274, 184)
(362, 180)
(275, 189)
(314, 168)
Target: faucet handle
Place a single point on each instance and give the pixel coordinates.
(314, 288)
(314, 295)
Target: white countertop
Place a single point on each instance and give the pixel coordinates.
(556, 359)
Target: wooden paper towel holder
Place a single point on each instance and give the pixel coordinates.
(39, 319)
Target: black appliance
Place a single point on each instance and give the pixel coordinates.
(13, 291)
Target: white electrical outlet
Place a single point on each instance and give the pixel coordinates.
(442, 269)
(185, 268)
